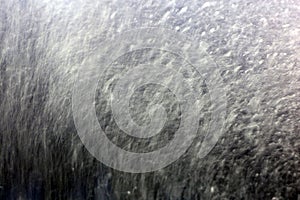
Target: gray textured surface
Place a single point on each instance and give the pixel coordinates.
(255, 43)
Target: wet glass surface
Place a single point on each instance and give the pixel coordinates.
(238, 66)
